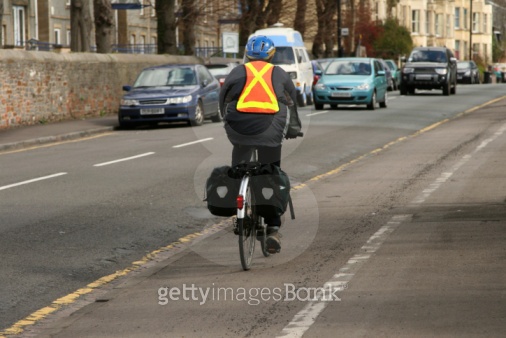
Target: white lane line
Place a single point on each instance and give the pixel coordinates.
(194, 142)
(321, 112)
(303, 320)
(446, 175)
(31, 181)
(123, 159)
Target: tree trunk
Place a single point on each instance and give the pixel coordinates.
(300, 17)
(247, 24)
(104, 23)
(80, 23)
(324, 39)
(166, 26)
(272, 13)
(189, 19)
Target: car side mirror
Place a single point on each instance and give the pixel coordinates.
(127, 88)
(380, 73)
(403, 59)
(205, 83)
(318, 72)
(453, 60)
(299, 59)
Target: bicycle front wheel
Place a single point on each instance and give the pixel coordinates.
(247, 234)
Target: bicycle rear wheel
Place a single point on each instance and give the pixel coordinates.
(247, 233)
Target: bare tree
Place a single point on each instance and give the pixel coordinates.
(257, 14)
(104, 23)
(166, 26)
(323, 43)
(80, 23)
(190, 14)
(299, 23)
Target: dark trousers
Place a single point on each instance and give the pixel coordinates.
(265, 155)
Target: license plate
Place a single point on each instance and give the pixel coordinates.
(341, 94)
(459, 77)
(152, 111)
(424, 77)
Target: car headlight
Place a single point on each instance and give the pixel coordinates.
(363, 86)
(408, 70)
(441, 71)
(467, 73)
(293, 75)
(129, 102)
(180, 99)
(320, 86)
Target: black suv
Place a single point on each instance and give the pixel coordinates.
(429, 68)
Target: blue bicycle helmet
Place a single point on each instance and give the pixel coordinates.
(260, 48)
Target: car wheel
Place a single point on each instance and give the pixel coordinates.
(318, 106)
(446, 88)
(302, 99)
(453, 90)
(218, 117)
(198, 120)
(310, 98)
(383, 104)
(372, 103)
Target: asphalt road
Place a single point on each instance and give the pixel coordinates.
(73, 212)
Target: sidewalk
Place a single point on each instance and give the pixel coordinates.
(22, 137)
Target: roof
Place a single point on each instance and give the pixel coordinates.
(282, 36)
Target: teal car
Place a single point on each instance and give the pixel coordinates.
(396, 73)
(352, 81)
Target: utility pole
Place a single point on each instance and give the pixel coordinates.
(339, 48)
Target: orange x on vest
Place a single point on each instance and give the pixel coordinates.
(258, 94)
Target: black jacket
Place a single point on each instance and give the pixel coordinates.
(256, 129)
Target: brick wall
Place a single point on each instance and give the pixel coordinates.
(42, 87)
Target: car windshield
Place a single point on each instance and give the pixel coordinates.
(343, 67)
(160, 77)
(391, 65)
(283, 56)
(427, 56)
(463, 65)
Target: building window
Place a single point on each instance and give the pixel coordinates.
(457, 49)
(141, 11)
(415, 21)
(18, 13)
(439, 24)
(457, 17)
(68, 37)
(448, 26)
(466, 19)
(476, 21)
(57, 36)
(427, 23)
(485, 28)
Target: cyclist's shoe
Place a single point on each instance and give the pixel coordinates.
(273, 242)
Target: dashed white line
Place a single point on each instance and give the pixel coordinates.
(194, 142)
(321, 112)
(31, 181)
(123, 159)
(305, 318)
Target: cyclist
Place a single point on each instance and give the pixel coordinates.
(257, 99)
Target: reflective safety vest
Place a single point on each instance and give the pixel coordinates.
(258, 93)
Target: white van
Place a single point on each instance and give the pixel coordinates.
(292, 56)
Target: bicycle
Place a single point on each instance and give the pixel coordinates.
(249, 225)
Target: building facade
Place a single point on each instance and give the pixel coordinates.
(466, 26)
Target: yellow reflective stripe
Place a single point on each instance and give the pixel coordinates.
(258, 78)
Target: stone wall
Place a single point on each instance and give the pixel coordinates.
(42, 87)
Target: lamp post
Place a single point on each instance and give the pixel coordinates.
(470, 29)
(339, 48)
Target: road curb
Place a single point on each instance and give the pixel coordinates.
(54, 139)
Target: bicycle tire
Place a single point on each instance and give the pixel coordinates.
(247, 234)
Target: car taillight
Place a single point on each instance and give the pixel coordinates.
(240, 202)
(222, 81)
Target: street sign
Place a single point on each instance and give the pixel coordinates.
(230, 42)
(345, 32)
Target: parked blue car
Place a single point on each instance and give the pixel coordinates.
(352, 81)
(171, 93)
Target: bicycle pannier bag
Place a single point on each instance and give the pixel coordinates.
(222, 188)
(271, 191)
